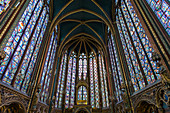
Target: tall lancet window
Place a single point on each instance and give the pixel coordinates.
(115, 67)
(61, 79)
(23, 45)
(104, 89)
(161, 9)
(82, 67)
(137, 47)
(94, 84)
(70, 88)
(46, 75)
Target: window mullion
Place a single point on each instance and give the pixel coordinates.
(47, 68)
(104, 75)
(11, 56)
(65, 82)
(141, 42)
(94, 89)
(32, 54)
(71, 75)
(116, 66)
(29, 42)
(112, 63)
(60, 79)
(143, 74)
(129, 53)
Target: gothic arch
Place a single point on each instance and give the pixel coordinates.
(80, 108)
(144, 98)
(82, 83)
(14, 105)
(145, 106)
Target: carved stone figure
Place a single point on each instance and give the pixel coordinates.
(162, 70)
(36, 97)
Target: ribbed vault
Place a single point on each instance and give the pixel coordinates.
(82, 23)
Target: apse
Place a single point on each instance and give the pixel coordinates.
(84, 56)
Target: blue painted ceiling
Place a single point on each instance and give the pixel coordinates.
(81, 22)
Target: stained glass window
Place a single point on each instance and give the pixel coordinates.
(94, 84)
(82, 93)
(48, 1)
(136, 47)
(72, 98)
(161, 9)
(82, 67)
(4, 4)
(23, 46)
(103, 81)
(46, 75)
(70, 88)
(72, 81)
(61, 80)
(116, 1)
(115, 68)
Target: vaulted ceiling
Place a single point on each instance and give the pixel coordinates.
(82, 23)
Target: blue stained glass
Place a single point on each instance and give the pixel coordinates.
(114, 68)
(104, 89)
(82, 66)
(59, 82)
(105, 82)
(48, 1)
(60, 86)
(16, 33)
(68, 83)
(116, 1)
(129, 58)
(161, 9)
(94, 85)
(23, 42)
(132, 21)
(91, 81)
(4, 4)
(30, 50)
(73, 82)
(138, 43)
(82, 93)
(34, 57)
(47, 71)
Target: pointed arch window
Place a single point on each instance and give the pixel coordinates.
(116, 1)
(82, 93)
(115, 67)
(94, 84)
(46, 75)
(82, 67)
(68, 82)
(61, 80)
(137, 47)
(104, 89)
(23, 45)
(161, 9)
(70, 88)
